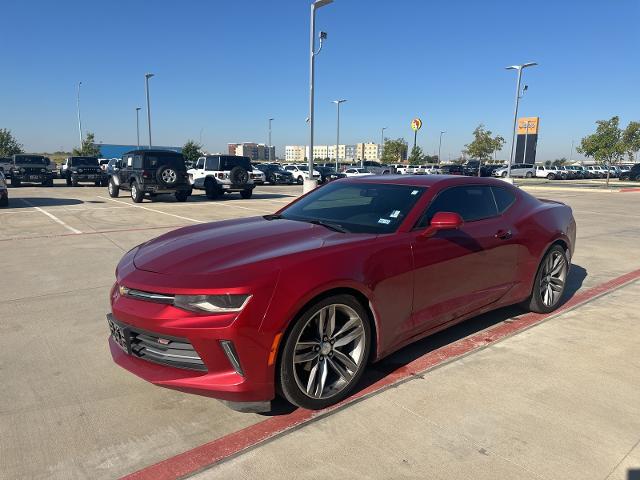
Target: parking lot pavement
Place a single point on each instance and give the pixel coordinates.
(68, 412)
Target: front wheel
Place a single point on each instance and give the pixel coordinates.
(182, 196)
(137, 195)
(246, 194)
(528, 175)
(68, 181)
(504, 174)
(114, 190)
(550, 281)
(300, 180)
(15, 182)
(551, 176)
(325, 353)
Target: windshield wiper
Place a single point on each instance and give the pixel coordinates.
(330, 225)
(273, 216)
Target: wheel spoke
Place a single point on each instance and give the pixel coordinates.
(322, 377)
(311, 383)
(322, 315)
(305, 351)
(349, 336)
(345, 360)
(331, 323)
(344, 374)
(557, 268)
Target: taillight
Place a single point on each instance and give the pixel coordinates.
(146, 174)
(220, 175)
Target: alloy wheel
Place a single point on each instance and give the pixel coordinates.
(169, 176)
(329, 351)
(553, 278)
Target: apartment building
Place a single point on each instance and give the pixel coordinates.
(368, 151)
(295, 153)
(255, 151)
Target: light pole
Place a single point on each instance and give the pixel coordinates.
(138, 125)
(571, 152)
(382, 141)
(269, 146)
(147, 76)
(338, 102)
(442, 132)
(79, 121)
(310, 182)
(519, 68)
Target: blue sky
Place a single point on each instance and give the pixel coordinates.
(223, 67)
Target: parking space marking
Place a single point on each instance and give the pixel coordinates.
(96, 232)
(52, 217)
(224, 448)
(153, 210)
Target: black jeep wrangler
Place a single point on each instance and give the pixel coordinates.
(150, 172)
(82, 169)
(31, 169)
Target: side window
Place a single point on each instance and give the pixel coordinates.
(473, 202)
(504, 198)
(200, 163)
(212, 163)
(137, 161)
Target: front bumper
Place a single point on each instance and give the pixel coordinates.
(32, 177)
(86, 177)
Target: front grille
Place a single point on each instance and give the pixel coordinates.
(171, 351)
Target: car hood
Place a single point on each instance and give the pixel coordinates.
(216, 247)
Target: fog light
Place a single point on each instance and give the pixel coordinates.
(232, 355)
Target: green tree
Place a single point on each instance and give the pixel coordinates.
(483, 144)
(191, 152)
(631, 139)
(88, 148)
(605, 146)
(417, 156)
(8, 144)
(394, 150)
(558, 162)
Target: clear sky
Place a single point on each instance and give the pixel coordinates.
(224, 67)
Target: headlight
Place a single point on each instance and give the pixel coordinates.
(211, 303)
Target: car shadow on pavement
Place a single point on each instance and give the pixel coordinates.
(233, 196)
(406, 355)
(30, 202)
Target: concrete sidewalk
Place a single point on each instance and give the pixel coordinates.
(560, 400)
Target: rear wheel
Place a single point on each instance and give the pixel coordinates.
(528, 175)
(550, 282)
(551, 176)
(4, 201)
(182, 196)
(504, 174)
(300, 180)
(15, 182)
(246, 194)
(136, 194)
(325, 353)
(113, 189)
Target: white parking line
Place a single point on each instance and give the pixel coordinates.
(152, 210)
(52, 217)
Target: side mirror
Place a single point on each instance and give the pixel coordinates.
(443, 221)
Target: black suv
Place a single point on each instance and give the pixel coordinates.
(28, 168)
(150, 172)
(82, 169)
(328, 174)
(275, 173)
(632, 174)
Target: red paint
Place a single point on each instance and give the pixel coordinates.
(630, 189)
(218, 450)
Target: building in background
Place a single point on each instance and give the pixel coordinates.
(295, 153)
(368, 151)
(346, 153)
(112, 150)
(255, 151)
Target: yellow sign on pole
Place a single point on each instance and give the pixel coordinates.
(416, 124)
(530, 122)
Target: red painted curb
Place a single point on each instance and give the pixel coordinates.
(630, 189)
(213, 452)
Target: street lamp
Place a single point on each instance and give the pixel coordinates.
(310, 182)
(269, 146)
(338, 102)
(138, 125)
(147, 76)
(519, 68)
(382, 140)
(79, 121)
(440, 144)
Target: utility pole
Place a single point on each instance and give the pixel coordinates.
(147, 76)
(79, 120)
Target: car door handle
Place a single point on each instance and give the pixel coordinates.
(503, 234)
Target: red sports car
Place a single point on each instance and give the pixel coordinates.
(298, 302)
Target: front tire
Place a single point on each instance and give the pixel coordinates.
(550, 282)
(300, 180)
(212, 190)
(528, 175)
(68, 179)
(325, 353)
(15, 182)
(246, 194)
(136, 194)
(114, 190)
(182, 196)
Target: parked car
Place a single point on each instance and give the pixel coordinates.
(550, 173)
(300, 172)
(452, 169)
(151, 173)
(4, 191)
(221, 309)
(6, 163)
(220, 174)
(82, 169)
(357, 172)
(103, 162)
(258, 176)
(520, 170)
(29, 168)
(274, 173)
(632, 174)
(112, 165)
(566, 172)
(52, 167)
(575, 172)
(377, 168)
(403, 169)
(327, 174)
(595, 171)
(471, 169)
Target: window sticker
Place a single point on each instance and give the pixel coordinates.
(384, 221)
(395, 214)
(414, 192)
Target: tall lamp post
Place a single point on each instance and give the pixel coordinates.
(338, 102)
(269, 146)
(79, 121)
(147, 76)
(138, 125)
(442, 132)
(519, 68)
(382, 141)
(310, 182)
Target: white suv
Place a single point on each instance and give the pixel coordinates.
(219, 174)
(550, 173)
(300, 172)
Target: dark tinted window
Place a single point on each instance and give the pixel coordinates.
(473, 202)
(212, 163)
(171, 159)
(88, 161)
(228, 162)
(504, 198)
(31, 159)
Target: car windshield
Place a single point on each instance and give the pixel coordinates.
(31, 160)
(357, 207)
(84, 161)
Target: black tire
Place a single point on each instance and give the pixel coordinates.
(286, 376)
(238, 175)
(246, 194)
(137, 195)
(167, 176)
(212, 189)
(68, 179)
(15, 182)
(74, 182)
(182, 196)
(114, 190)
(97, 183)
(535, 302)
(528, 175)
(300, 180)
(4, 201)
(504, 174)
(271, 179)
(551, 176)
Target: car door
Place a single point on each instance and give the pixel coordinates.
(460, 271)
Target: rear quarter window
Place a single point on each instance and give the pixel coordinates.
(504, 198)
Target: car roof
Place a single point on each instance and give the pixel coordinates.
(158, 150)
(426, 180)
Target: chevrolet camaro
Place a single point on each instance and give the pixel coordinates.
(297, 303)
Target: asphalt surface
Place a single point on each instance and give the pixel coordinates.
(68, 412)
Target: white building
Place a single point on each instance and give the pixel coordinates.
(295, 153)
